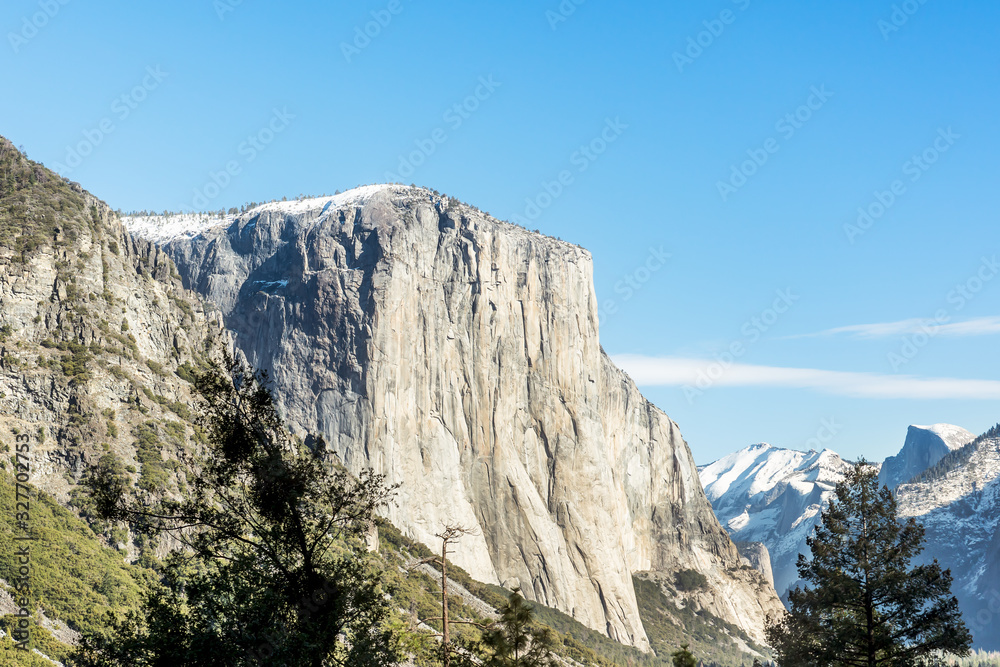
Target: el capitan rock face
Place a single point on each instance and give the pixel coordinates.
(460, 356)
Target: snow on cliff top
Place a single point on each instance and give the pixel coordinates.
(161, 229)
(954, 437)
(359, 195)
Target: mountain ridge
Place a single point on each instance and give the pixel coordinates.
(773, 495)
(953, 490)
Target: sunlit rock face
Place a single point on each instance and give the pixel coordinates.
(459, 355)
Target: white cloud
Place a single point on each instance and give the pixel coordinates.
(705, 373)
(981, 326)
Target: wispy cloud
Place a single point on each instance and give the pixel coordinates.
(981, 326)
(681, 372)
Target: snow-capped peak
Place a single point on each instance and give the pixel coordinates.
(772, 495)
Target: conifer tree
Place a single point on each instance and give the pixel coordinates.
(864, 605)
(514, 641)
(274, 569)
(683, 657)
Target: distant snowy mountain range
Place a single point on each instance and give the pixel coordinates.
(944, 476)
(775, 496)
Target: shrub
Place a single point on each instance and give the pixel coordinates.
(690, 580)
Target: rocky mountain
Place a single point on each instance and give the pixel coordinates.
(924, 446)
(958, 502)
(950, 485)
(774, 496)
(460, 356)
(96, 331)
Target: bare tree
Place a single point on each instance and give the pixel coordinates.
(451, 533)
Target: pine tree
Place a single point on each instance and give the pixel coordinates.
(864, 605)
(514, 641)
(682, 657)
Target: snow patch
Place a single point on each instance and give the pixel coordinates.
(271, 284)
(359, 195)
(954, 437)
(163, 229)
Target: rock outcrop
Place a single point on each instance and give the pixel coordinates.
(924, 446)
(459, 355)
(758, 557)
(95, 324)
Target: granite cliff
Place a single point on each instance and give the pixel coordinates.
(924, 446)
(459, 355)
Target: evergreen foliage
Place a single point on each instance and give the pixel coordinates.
(514, 640)
(682, 657)
(37, 207)
(864, 605)
(274, 568)
(73, 577)
(690, 580)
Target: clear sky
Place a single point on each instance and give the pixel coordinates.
(713, 157)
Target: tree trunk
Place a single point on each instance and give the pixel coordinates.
(445, 644)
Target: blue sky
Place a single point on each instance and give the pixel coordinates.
(714, 157)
